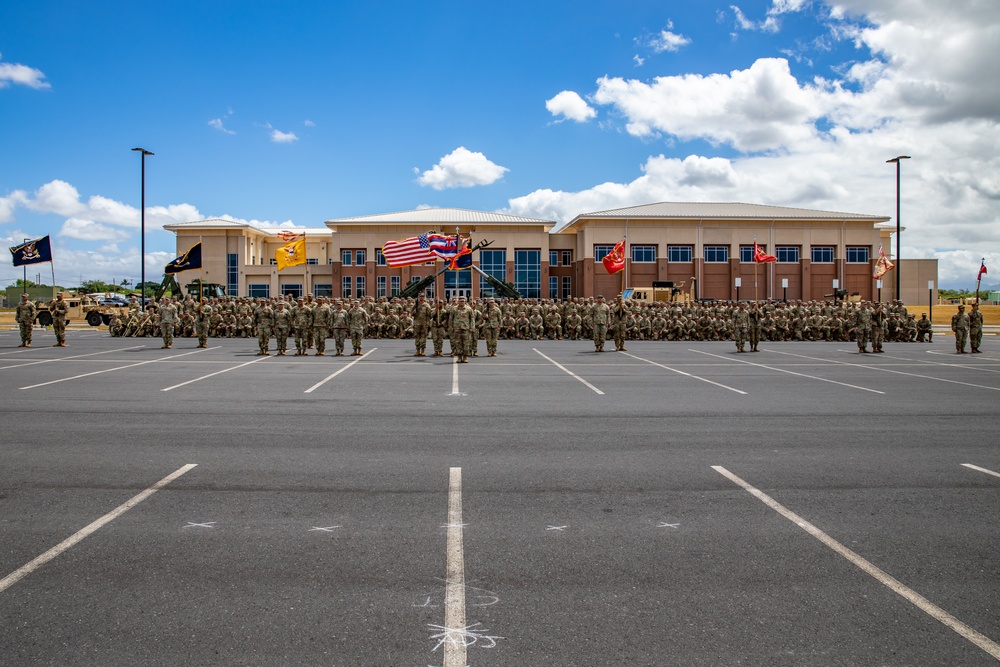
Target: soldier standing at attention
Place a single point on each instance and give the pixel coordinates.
(282, 325)
(960, 325)
(339, 324)
(491, 326)
(263, 317)
(302, 319)
(465, 326)
(863, 327)
(25, 316)
(322, 318)
(619, 315)
(59, 308)
(754, 315)
(878, 328)
(439, 327)
(422, 314)
(357, 319)
(975, 329)
(201, 322)
(741, 325)
(167, 318)
(599, 315)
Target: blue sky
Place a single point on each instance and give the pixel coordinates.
(298, 112)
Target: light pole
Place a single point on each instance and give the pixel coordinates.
(897, 160)
(142, 232)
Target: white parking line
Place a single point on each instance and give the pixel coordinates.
(111, 370)
(36, 563)
(887, 370)
(674, 370)
(454, 378)
(330, 377)
(784, 370)
(224, 370)
(75, 356)
(985, 470)
(922, 603)
(569, 372)
(454, 598)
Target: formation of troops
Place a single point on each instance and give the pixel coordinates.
(310, 321)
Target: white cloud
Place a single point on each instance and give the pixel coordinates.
(668, 41)
(218, 124)
(279, 137)
(308, 123)
(88, 230)
(637, 60)
(461, 168)
(22, 75)
(570, 105)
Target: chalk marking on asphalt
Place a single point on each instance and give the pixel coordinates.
(784, 370)
(985, 470)
(69, 542)
(453, 638)
(674, 370)
(888, 370)
(569, 372)
(205, 377)
(118, 368)
(75, 356)
(323, 529)
(557, 528)
(333, 375)
(207, 524)
(922, 603)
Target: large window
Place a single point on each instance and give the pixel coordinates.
(379, 257)
(394, 286)
(716, 254)
(345, 289)
(553, 287)
(259, 291)
(644, 253)
(345, 257)
(528, 273)
(359, 290)
(232, 274)
(746, 253)
(313, 261)
(323, 289)
(821, 254)
(567, 287)
(293, 290)
(602, 251)
(461, 279)
(359, 257)
(858, 255)
(787, 254)
(494, 263)
(380, 286)
(567, 258)
(680, 253)
(553, 258)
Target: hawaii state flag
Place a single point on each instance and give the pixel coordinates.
(614, 261)
(760, 257)
(32, 252)
(882, 265)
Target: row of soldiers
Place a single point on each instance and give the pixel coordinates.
(533, 319)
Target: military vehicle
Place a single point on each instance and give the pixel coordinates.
(80, 308)
(661, 290)
(193, 289)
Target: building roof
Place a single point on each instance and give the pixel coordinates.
(440, 216)
(717, 211)
(219, 223)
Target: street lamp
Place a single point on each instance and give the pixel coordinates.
(897, 160)
(142, 232)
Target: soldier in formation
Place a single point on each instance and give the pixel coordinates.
(25, 316)
(960, 325)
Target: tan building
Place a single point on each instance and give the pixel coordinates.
(702, 247)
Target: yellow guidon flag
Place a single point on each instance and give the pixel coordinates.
(291, 254)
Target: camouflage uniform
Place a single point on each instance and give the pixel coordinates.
(167, 318)
(491, 326)
(619, 324)
(202, 322)
(439, 326)
(924, 328)
(357, 319)
(975, 329)
(600, 313)
(463, 319)
(58, 309)
(302, 320)
(960, 325)
(282, 325)
(322, 318)
(264, 319)
(422, 314)
(339, 324)
(25, 320)
(741, 325)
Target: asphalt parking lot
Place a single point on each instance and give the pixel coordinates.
(675, 504)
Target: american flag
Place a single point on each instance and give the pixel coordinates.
(414, 250)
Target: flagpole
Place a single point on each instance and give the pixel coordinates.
(52, 263)
(24, 283)
(755, 274)
(979, 278)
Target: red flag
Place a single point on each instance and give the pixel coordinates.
(982, 270)
(882, 265)
(760, 257)
(614, 261)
